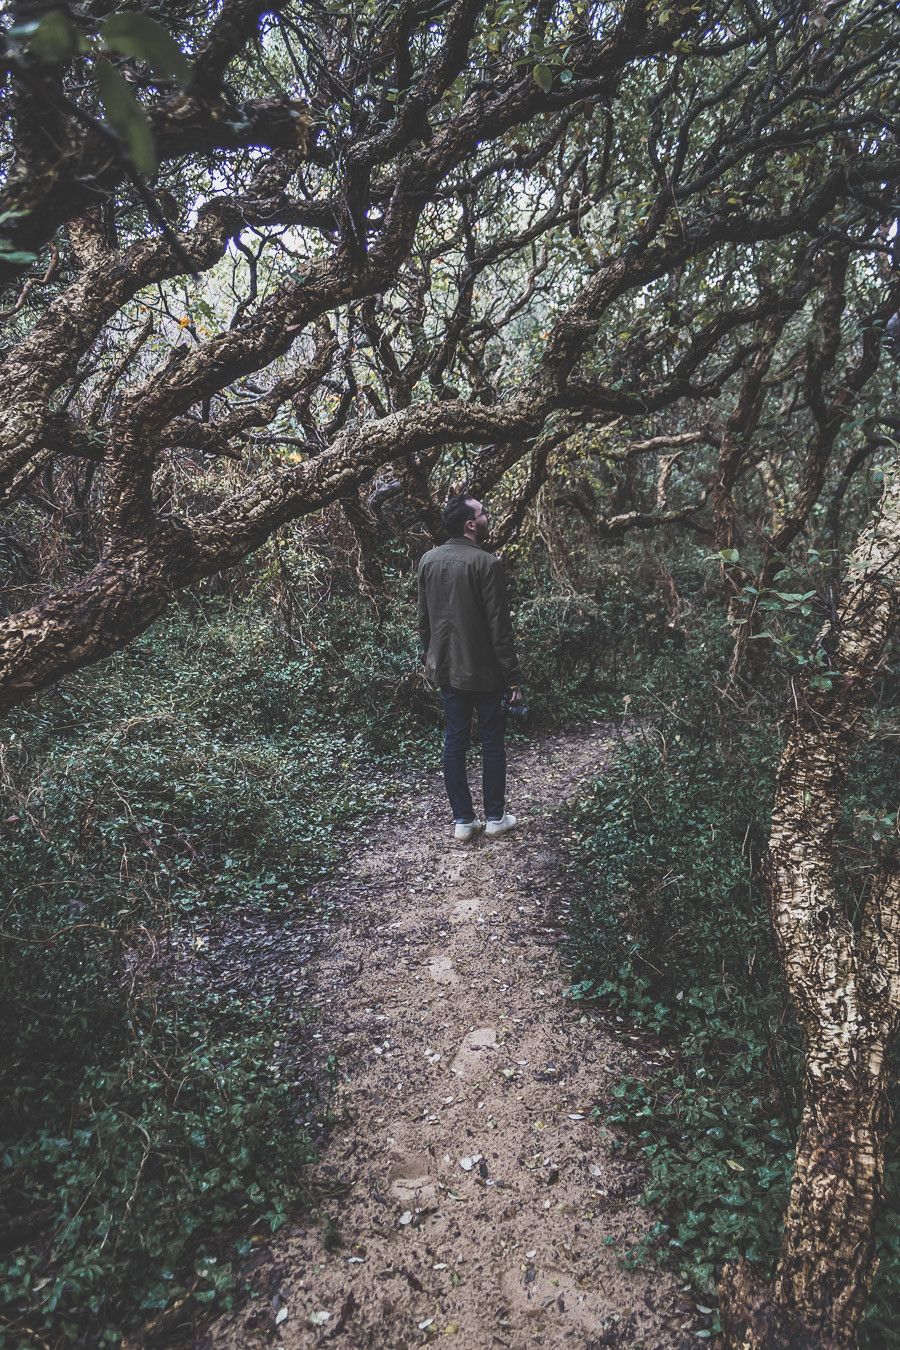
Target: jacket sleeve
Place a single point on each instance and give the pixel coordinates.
(424, 622)
(496, 607)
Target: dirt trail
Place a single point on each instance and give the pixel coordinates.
(481, 1202)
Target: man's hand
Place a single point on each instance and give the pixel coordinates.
(515, 695)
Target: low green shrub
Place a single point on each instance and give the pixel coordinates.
(583, 653)
(151, 1122)
(150, 1170)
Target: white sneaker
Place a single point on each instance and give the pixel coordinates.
(465, 830)
(500, 826)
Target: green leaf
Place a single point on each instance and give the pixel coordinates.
(543, 77)
(10, 254)
(146, 40)
(54, 39)
(126, 116)
(730, 555)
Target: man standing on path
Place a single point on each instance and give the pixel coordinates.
(467, 638)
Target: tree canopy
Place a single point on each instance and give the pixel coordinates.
(257, 257)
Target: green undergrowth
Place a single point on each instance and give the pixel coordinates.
(670, 930)
(153, 1127)
(582, 653)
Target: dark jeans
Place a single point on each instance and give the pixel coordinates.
(459, 704)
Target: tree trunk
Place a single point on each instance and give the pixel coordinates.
(367, 563)
(827, 1259)
(844, 983)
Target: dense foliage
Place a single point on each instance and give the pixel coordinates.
(213, 770)
(157, 1112)
(671, 928)
(383, 238)
(159, 1115)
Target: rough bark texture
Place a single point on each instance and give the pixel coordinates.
(843, 981)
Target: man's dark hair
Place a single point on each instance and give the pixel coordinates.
(458, 510)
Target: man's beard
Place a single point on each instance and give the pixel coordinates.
(482, 529)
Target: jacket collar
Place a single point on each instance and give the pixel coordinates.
(461, 539)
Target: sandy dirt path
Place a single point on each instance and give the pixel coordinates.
(475, 1200)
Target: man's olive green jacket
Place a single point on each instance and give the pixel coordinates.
(464, 620)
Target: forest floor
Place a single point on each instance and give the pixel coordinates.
(464, 1190)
